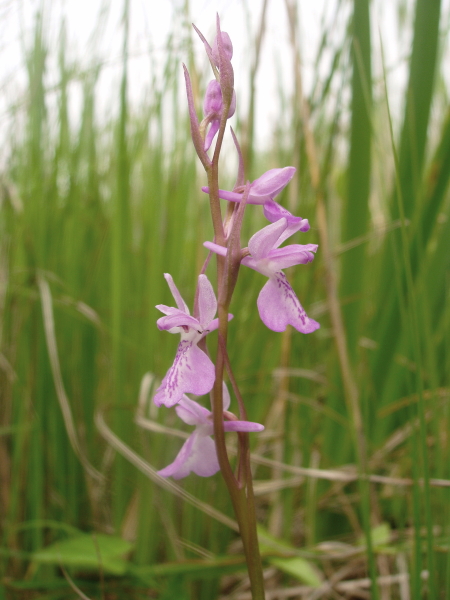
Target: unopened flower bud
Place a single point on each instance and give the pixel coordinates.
(226, 45)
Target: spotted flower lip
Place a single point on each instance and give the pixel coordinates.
(192, 370)
(277, 302)
(198, 453)
(263, 189)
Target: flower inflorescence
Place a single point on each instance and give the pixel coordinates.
(193, 371)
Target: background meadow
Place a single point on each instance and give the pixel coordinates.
(352, 474)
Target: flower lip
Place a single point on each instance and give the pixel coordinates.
(198, 454)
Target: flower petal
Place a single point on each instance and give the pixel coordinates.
(198, 454)
(167, 310)
(207, 303)
(179, 468)
(274, 211)
(272, 182)
(279, 306)
(176, 294)
(213, 98)
(192, 372)
(227, 47)
(242, 426)
(192, 412)
(178, 319)
(216, 248)
(214, 325)
(288, 256)
(263, 241)
(237, 196)
(215, 125)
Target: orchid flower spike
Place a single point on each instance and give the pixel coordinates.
(212, 108)
(263, 189)
(198, 453)
(278, 305)
(192, 370)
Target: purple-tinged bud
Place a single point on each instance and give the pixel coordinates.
(212, 107)
(213, 99)
(226, 45)
(224, 51)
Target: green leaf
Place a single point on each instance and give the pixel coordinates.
(300, 568)
(96, 551)
(380, 535)
(193, 569)
(296, 566)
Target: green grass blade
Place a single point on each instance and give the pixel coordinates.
(356, 212)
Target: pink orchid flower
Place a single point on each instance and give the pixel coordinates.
(278, 305)
(192, 370)
(198, 453)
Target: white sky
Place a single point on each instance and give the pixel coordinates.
(151, 22)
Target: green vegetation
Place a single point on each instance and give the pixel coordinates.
(352, 473)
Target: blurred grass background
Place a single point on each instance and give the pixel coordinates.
(352, 473)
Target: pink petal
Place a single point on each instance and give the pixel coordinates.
(237, 196)
(242, 426)
(178, 468)
(192, 412)
(274, 211)
(295, 254)
(167, 310)
(176, 294)
(216, 248)
(198, 454)
(215, 125)
(214, 325)
(227, 47)
(178, 319)
(223, 60)
(263, 241)
(279, 306)
(272, 182)
(192, 372)
(213, 98)
(207, 303)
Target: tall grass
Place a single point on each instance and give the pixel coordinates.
(352, 474)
